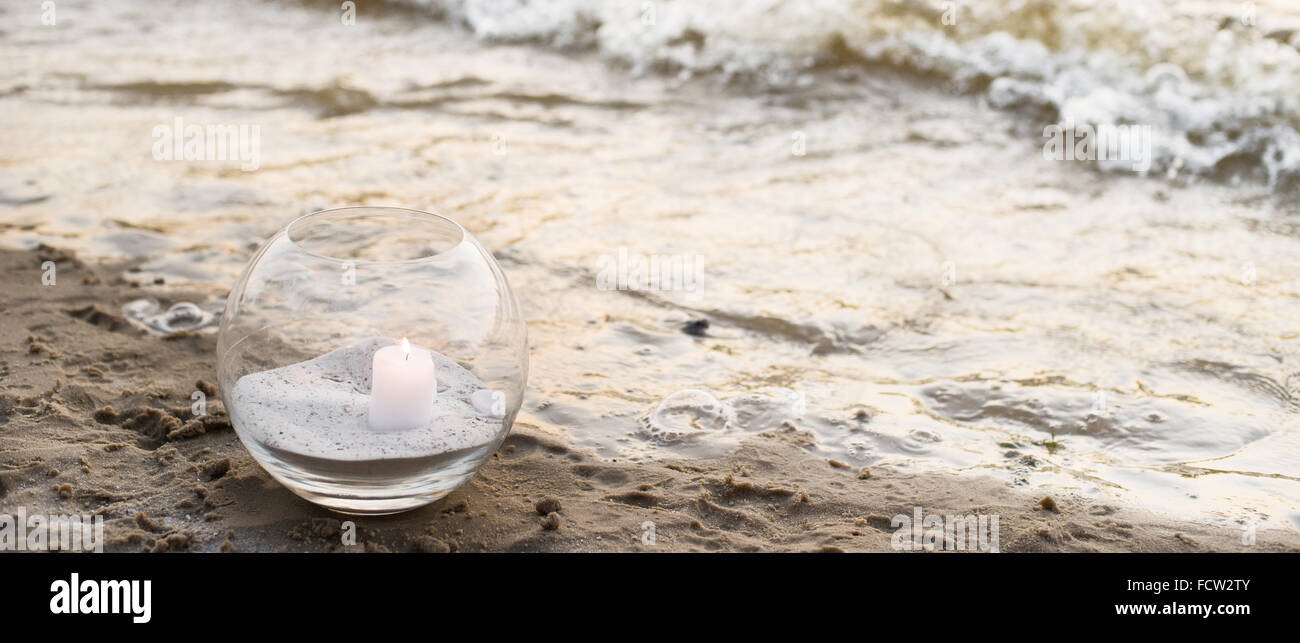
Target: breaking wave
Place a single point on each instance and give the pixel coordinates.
(1216, 83)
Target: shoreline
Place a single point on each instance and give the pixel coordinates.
(93, 419)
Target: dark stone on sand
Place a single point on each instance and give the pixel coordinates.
(1049, 504)
(551, 522)
(696, 327)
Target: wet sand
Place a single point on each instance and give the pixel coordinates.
(95, 417)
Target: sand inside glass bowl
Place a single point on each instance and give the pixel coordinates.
(320, 408)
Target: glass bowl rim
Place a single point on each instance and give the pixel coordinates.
(386, 209)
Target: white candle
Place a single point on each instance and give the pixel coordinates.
(402, 388)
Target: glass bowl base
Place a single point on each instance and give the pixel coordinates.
(371, 487)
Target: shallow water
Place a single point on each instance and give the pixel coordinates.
(891, 271)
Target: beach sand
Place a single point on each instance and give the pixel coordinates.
(96, 418)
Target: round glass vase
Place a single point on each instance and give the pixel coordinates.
(297, 358)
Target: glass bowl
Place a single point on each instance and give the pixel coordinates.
(371, 359)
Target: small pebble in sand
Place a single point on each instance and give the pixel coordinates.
(696, 327)
(547, 505)
(551, 522)
(838, 465)
(864, 474)
(1049, 504)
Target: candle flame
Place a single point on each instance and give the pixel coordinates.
(406, 349)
